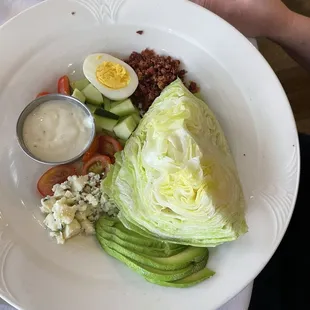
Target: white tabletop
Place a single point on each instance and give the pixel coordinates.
(8, 9)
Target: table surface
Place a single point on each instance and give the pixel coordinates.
(8, 9)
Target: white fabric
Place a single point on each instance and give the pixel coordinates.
(8, 9)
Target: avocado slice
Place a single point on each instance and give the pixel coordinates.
(140, 249)
(178, 261)
(108, 221)
(190, 254)
(130, 236)
(115, 227)
(188, 281)
(159, 262)
(147, 271)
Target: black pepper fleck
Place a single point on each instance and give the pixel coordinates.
(140, 32)
(72, 13)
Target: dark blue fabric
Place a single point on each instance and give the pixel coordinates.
(284, 282)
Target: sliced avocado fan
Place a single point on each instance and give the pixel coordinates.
(159, 262)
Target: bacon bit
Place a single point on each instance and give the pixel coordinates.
(193, 87)
(154, 72)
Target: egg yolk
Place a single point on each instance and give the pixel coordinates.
(112, 75)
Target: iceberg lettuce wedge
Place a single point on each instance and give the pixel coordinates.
(176, 178)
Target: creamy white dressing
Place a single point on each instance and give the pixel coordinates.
(57, 131)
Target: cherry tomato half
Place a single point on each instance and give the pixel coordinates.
(92, 151)
(109, 146)
(64, 85)
(55, 175)
(44, 93)
(97, 164)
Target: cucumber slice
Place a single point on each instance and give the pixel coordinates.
(136, 117)
(91, 108)
(104, 123)
(78, 95)
(125, 127)
(92, 94)
(188, 281)
(104, 113)
(115, 103)
(106, 103)
(80, 84)
(123, 108)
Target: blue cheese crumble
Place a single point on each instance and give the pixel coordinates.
(75, 206)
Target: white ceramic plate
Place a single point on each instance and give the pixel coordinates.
(52, 39)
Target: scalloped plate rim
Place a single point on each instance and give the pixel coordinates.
(294, 192)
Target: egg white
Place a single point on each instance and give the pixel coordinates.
(90, 65)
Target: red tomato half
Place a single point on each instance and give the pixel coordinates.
(55, 175)
(92, 151)
(109, 146)
(97, 164)
(44, 93)
(64, 85)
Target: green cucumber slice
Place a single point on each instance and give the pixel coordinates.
(103, 113)
(80, 84)
(92, 94)
(125, 127)
(114, 103)
(92, 108)
(123, 108)
(136, 117)
(106, 103)
(104, 123)
(78, 95)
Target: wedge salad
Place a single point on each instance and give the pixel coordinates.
(158, 185)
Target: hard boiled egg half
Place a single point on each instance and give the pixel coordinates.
(111, 76)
